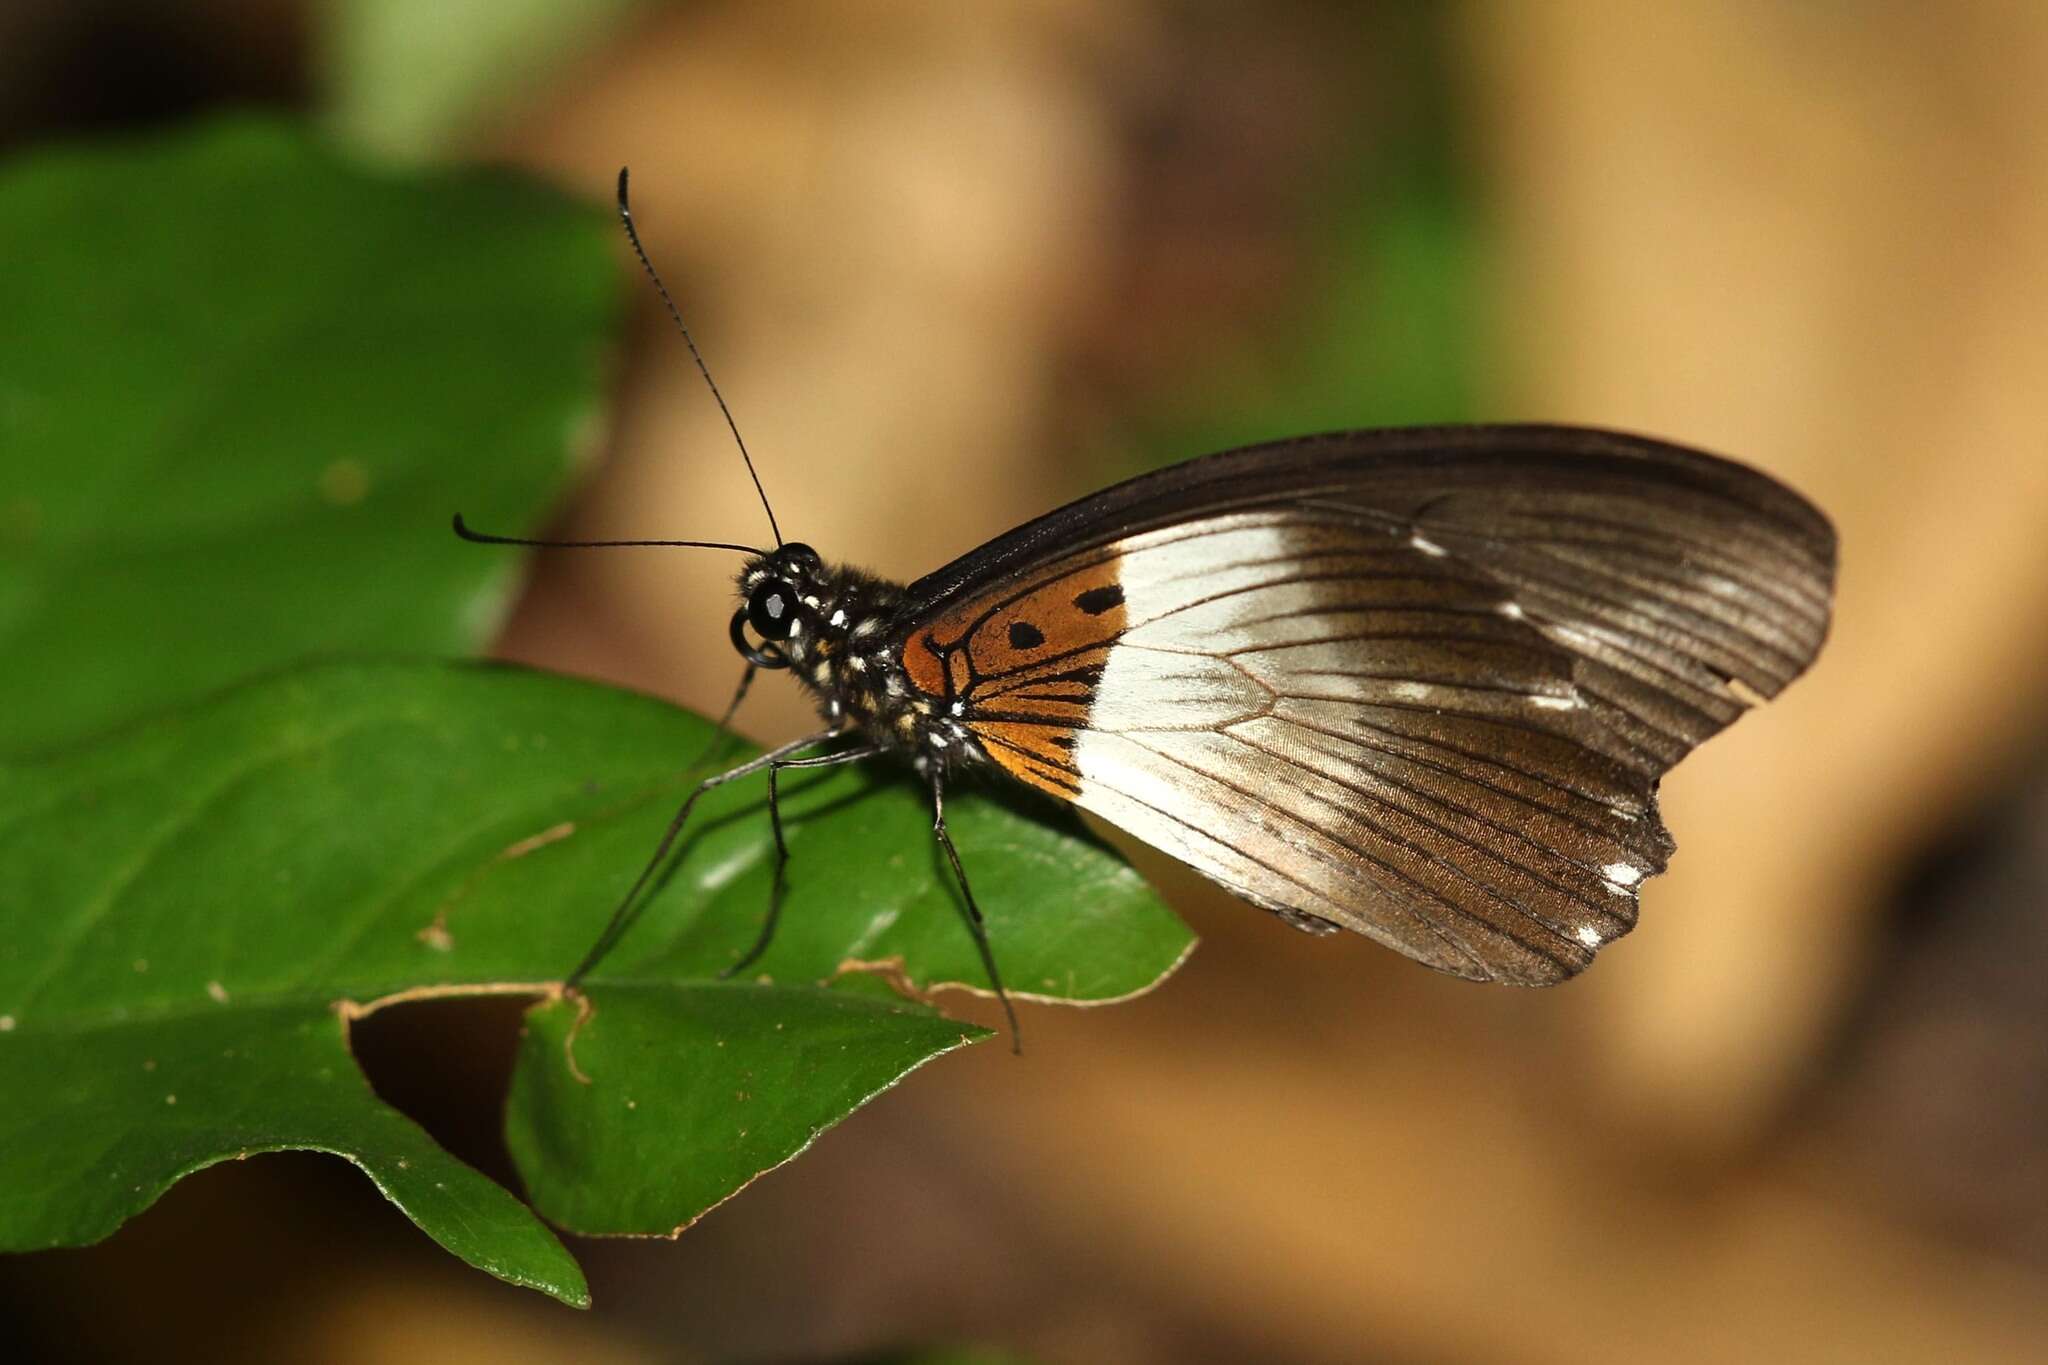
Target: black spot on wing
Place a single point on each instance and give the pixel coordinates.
(1024, 635)
(1096, 601)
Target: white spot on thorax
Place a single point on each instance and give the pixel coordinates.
(839, 616)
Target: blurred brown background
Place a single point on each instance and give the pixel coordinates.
(954, 263)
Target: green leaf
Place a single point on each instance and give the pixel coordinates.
(243, 384)
(194, 908)
(101, 1116)
(740, 1077)
(408, 81)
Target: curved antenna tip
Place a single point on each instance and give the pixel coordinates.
(462, 528)
(623, 173)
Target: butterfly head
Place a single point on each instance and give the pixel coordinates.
(780, 593)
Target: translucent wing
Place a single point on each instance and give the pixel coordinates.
(1417, 684)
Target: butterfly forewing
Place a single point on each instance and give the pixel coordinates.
(1418, 684)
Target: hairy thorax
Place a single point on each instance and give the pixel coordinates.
(845, 648)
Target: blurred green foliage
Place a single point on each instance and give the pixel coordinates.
(1385, 325)
(243, 384)
(407, 82)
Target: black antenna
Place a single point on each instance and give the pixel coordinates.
(462, 529)
(626, 217)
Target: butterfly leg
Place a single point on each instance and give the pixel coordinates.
(622, 916)
(767, 934)
(723, 735)
(970, 911)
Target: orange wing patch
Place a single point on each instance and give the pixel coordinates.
(1036, 754)
(1025, 659)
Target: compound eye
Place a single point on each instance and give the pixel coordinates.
(771, 609)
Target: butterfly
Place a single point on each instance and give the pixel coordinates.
(1420, 683)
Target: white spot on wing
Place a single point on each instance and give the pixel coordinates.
(1719, 585)
(1589, 936)
(1572, 635)
(1621, 877)
(1428, 547)
(1555, 703)
(1409, 691)
(1512, 610)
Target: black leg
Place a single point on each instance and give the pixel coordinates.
(723, 735)
(622, 916)
(969, 910)
(767, 934)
